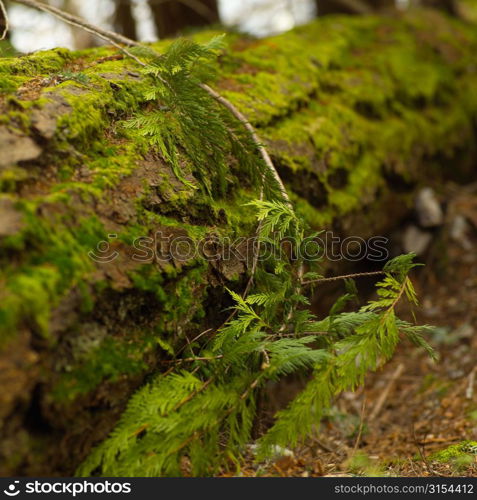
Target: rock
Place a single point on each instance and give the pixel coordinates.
(428, 210)
(16, 148)
(44, 120)
(416, 240)
(465, 331)
(459, 230)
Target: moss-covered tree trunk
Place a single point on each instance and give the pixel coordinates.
(356, 112)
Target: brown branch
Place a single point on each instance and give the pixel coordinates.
(79, 22)
(253, 134)
(191, 360)
(4, 13)
(343, 277)
(401, 292)
(469, 392)
(109, 36)
(189, 342)
(383, 396)
(361, 425)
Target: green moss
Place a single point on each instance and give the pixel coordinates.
(9, 178)
(361, 464)
(378, 105)
(95, 104)
(111, 163)
(38, 63)
(460, 455)
(56, 261)
(29, 295)
(10, 83)
(120, 356)
(86, 116)
(112, 359)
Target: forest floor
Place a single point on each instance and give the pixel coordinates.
(413, 407)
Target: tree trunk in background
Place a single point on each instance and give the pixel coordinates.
(382, 4)
(325, 7)
(81, 323)
(449, 6)
(82, 39)
(172, 16)
(124, 21)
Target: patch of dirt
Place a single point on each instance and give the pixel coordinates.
(31, 90)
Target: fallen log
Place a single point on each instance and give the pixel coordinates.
(356, 112)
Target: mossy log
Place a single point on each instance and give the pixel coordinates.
(356, 112)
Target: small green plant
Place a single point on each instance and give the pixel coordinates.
(199, 417)
(189, 128)
(360, 463)
(66, 75)
(205, 414)
(460, 455)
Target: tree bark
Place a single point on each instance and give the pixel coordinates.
(85, 315)
(173, 16)
(124, 21)
(449, 6)
(82, 39)
(325, 7)
(382, 4)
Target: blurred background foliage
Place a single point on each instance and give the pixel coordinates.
(148, 20)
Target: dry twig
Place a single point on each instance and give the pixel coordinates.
(469, 392)
(384, 395)
(361, 424)
(6, 27)
(108, 36)
(344, 277)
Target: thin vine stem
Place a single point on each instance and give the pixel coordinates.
(343, 277)
(253, 134)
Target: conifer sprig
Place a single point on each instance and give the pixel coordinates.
(204, 417)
